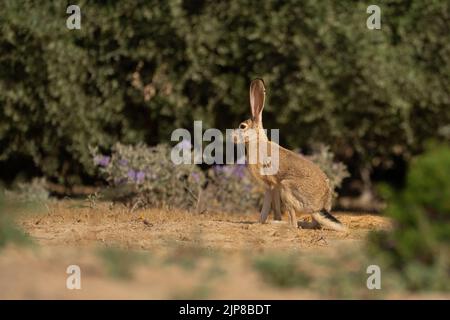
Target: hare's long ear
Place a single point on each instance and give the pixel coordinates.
(257, 97)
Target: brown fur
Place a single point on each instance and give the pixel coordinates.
(302, 185)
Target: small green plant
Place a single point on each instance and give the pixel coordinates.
(10, 233)
(342, 276)
(93, 198)
(198, 292)
(282, 270)
(419, 246)
(120, 263)
(33, 192)
(186, 257)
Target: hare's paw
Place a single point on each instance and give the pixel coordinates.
(309, 224)
(278, 222)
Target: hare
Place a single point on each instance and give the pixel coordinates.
(298, 183)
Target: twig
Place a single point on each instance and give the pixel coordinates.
(134, 206)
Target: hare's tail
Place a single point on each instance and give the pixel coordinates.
(326, 219)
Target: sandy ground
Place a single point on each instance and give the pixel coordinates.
(186, 255)
(158, 229)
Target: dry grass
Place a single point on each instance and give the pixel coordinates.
(66, 223)
(181, 255)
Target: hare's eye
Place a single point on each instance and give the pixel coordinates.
(242, 126)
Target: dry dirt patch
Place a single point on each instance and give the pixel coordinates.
(187, 255)
(155, 229)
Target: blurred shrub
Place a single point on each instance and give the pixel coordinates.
(336, 171)
(282, 270)
(419, 245)
(121, 263)
(138, 69)
(231, 189)
(10, 233)
(146, 176)
(187, 257)
(340, 276)
(30, 192)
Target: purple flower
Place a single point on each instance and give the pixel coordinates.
(196, 176)
(239, 171)
(228, 170)
(241, 160)
(140, 176)
(123, 162)
(102, 160)
(119, 181)
(136, 176)
(218, 169)
(131, 174)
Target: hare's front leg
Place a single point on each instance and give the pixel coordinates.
(276, 203)
(266, 206)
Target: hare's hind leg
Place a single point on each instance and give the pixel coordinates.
(326, 219)
(266, 206)
(290, 203)
(293, 218)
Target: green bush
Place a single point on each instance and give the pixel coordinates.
(32, 193)
(282, 270)
(419, 245)
(10, 232)
(336, 277)
(138, 69)
(121, 263)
